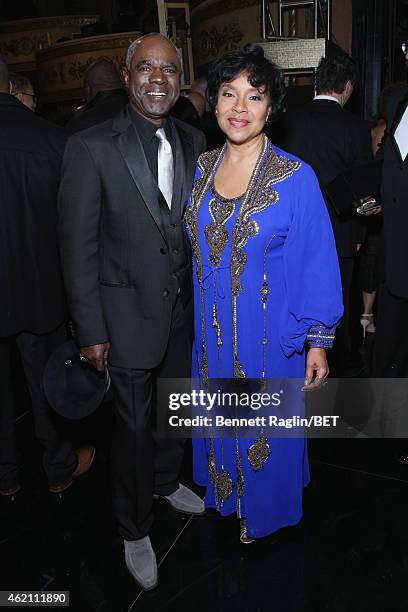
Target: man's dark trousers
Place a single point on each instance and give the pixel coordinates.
(136, 446)
(59, 460)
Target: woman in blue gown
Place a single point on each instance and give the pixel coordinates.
(266, 287)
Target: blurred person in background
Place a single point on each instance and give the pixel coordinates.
(22, 89)
(331, 139)
(104, 94)
(33, 311)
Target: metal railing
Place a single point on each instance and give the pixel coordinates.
(321, 9)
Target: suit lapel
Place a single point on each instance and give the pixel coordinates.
(184, 169)
(130, 147)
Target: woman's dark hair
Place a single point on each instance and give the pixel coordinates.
(261, 73)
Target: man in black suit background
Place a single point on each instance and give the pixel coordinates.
(32, 305)
(391, 342)
(23, 90)
(333, 140)
(104, 94)
(127, 269)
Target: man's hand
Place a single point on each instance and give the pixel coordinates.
(316, 362)
(96, 355)
(374, 211)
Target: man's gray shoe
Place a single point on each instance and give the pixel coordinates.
(141, 562)
(184, 500)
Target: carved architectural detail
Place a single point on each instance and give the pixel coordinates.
(221, 26)
(220, 8)
(42, 23)
(214, 42)
(61, 67)
(21, 40)
(71, 73)
(25, 46)
(90, 44)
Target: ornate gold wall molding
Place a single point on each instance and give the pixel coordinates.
(217, 7)
(222, 26)
(20, 40)
(61, 67)
(42, 23)
(214, 42)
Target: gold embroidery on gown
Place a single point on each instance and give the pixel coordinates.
(271, 168)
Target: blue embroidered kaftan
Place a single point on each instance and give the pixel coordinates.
(279, 230)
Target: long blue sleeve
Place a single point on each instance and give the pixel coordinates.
(311, 271)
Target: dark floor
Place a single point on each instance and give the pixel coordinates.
(350, 552)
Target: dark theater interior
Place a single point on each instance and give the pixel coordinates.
(77, 504)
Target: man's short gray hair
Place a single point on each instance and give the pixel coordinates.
(133, 46)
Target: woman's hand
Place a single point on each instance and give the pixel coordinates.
(316, 361)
